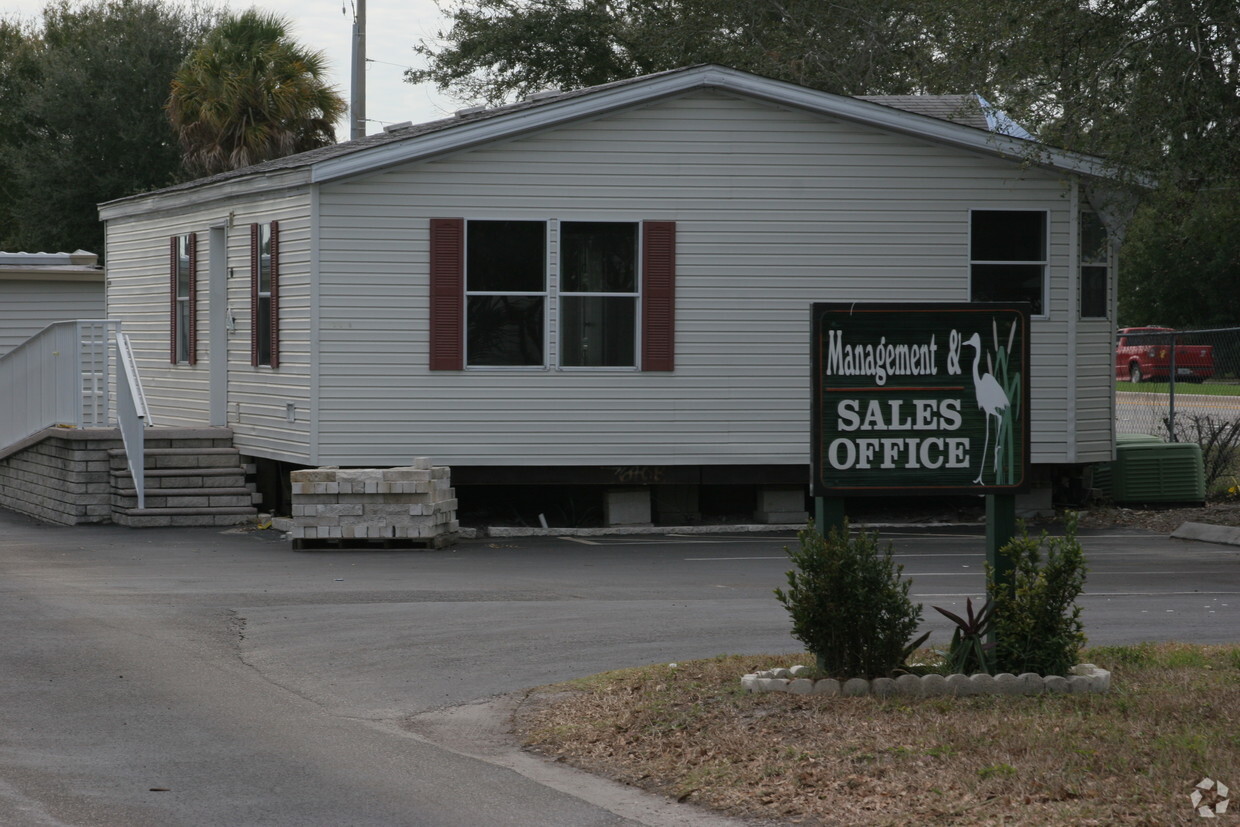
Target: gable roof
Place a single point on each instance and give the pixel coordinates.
(924, 118)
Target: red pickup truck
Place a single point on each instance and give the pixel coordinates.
(1144, 354)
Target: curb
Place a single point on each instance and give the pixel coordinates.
(1206, 533)
(1083, 679)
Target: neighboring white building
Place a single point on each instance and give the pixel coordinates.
(37, 289)
(606, 285)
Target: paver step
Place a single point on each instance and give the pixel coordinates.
(167, 478)
(187, 497)
(170, 517)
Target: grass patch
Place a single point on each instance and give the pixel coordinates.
(1128, 757)
(1204, 389)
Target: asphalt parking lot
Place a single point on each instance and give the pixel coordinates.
(205, 677)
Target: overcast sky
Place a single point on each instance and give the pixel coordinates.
(393, 27)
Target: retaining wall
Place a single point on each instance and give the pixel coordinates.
(60, 475)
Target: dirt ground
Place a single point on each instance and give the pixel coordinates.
(1163, 520)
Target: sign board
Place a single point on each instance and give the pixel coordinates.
(920, 398)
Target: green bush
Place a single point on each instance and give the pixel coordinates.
(849, 604)
(1037, 624)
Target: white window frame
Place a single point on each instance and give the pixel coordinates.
(1105, 263)
(635, 296)
(552, 295)
(1045, 264)
(184, 342)
(263, 320)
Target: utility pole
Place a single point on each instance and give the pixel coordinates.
(357, 97)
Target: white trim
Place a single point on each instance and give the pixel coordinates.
(217, 324)
(196, 196)
(1074, 308)
(316, 384)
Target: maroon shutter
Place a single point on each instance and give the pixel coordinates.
(658, 295)
(192, 355)
(275, 294)
(447, 295)
(254, 265)
(172, 270)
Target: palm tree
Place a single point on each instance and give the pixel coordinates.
(250, 94)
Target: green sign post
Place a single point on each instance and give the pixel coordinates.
(915, 399)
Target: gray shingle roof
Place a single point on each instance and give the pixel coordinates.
(961, 109)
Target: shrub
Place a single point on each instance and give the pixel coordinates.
(1220, 444)
(1037, 624)
(849, 604)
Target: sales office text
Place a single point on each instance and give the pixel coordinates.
(929, 452)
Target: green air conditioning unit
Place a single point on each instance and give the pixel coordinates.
(1148, 470)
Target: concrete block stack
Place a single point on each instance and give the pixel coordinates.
(416, 503)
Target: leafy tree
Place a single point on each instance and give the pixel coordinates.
(82, 92)
(18, 74)
(1182, 259)
(496, 49)
(250, 94)
(1152, 87)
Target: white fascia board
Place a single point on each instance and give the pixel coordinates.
(46, 274)
(714, 77)
(198, 196)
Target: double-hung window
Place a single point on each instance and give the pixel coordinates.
(1095, 269)
(1008, 257)
(598, 294)
(265, 294)
(552, 294)
(184, 290)
(506, 293)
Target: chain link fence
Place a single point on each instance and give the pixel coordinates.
(1183, 386)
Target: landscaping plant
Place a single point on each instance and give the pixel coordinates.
(1219, 440)
(1037, 624)
(969, 652)
(849, 604)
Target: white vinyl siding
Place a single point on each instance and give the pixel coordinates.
(179, 394)
(27, 305)
(774, 209)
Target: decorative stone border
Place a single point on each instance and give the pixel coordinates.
(1083, 678)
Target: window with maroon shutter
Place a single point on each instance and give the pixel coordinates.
(491, 299)
(183, 269)
(265, 294)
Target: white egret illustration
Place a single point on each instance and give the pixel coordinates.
(992, 400)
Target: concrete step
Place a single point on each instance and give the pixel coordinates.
(169, 517)
(179, 458)
(165, 498)
(184, 478)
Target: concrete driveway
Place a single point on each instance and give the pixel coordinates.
(201, 677)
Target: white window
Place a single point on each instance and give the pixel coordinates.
(1095, 267)
(1008, 257)
(514, 295)
(184, 278)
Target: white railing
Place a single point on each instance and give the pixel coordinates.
(77, 374)
(131, 413)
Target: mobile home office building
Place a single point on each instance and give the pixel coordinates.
(602, 288)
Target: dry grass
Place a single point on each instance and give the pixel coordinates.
(1129, 757)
